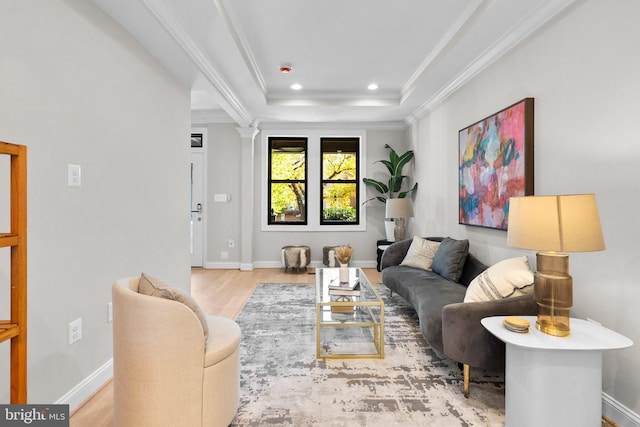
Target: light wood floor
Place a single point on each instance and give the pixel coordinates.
(218, 292)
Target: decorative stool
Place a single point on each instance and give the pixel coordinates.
(297, 257)
(329, 256)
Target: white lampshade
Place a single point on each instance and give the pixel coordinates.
(399, 208)
(568, 223)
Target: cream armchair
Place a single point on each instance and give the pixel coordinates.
(163, 375)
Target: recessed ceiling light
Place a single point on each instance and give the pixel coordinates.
(372, 86)
(296, 86)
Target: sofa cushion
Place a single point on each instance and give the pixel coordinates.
(509, 277)
(421, 253)
(157, 288)
(450, 258)
(428, 303)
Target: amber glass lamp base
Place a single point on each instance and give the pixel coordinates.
(553, 292)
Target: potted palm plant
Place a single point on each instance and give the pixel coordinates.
(393, 187)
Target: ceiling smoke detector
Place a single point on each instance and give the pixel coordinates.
(285, 68)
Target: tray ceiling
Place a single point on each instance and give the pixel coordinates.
(418, 52)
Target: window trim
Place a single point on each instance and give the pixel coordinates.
(355, 181)
(305, 180)
(314, 195)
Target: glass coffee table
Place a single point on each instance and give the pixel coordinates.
(348, 326)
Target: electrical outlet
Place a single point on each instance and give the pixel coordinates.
(109, 312)
(75, 331)
(232, 243)
(224, 255)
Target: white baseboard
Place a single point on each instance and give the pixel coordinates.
(277, 264)
(222, 265)
(87, 387)
(246, 266)
(619, 413)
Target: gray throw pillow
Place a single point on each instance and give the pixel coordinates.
(450, 258)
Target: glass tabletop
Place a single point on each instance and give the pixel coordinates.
(349, 315)
(328, 286)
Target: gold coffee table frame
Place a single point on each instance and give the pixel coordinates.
(368, 311)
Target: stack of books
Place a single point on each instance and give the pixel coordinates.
(344, 292)
(351, 288)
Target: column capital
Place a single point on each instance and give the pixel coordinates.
(248, 132)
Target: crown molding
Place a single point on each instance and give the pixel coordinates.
(237, 33)
(331, 100)
(456, 30)
(167, 18)
(520, 31)
(367, 126)
(248, 132)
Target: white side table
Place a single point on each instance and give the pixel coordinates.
(554, 381)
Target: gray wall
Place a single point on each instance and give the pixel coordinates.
(224, 163)
(223, 177)
(77, 89)
(582, 70)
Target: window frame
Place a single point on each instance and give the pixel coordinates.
(271, 218)
(314, 195)
(347, 141)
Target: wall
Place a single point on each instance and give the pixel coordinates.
(77, 89)
(223, 177)
(582, 69)
(224, 161)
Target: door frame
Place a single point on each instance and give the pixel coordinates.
(203, 150)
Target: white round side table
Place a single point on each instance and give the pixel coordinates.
(554, 381)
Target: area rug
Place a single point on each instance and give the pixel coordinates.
(282, 383)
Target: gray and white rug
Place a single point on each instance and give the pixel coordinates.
(283, 384)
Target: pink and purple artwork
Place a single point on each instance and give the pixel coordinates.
(495, 163)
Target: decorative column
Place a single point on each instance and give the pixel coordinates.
(247, 174)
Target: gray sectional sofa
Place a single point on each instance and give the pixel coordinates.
(451, 326)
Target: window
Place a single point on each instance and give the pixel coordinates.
(196, 140)
(339, 193)
(287, 180)
(311, 180)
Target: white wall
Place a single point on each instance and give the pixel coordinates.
(582, 69)
(77, 89)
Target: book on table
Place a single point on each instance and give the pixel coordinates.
(352, 284)
(343, 308)
(345, 290)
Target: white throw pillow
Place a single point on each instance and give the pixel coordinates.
(421, 253)
(507, 278)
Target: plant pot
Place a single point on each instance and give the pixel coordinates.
(389, 227)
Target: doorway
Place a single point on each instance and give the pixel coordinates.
(197, 198)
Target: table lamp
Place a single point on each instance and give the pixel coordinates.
(554, 225)
(399, 209)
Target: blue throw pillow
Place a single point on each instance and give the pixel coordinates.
(450, 258)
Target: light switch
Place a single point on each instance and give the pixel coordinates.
(74, 175)
(221, 197)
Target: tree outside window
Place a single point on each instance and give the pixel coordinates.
(287, 180)
(340, 191)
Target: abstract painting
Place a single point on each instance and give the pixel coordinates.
(495, 163)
